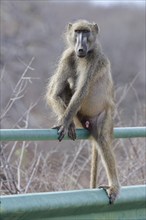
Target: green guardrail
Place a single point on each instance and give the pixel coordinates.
(76, 205)
(51, 134)
(73, 205)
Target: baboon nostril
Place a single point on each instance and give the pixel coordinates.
(81, 50)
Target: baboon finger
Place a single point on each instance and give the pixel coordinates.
(61, 136)
(72, 134)
(56, 127)
(72, 131)
(61, 132)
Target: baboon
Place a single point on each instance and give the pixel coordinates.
(81, 94)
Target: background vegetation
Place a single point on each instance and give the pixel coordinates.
(31, 44)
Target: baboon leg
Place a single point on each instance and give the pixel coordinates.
(89, 124)
(94, 165)
(95, 127)
(110, 167)
(104, 139)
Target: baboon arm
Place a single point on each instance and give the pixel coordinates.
(75, 102)
(71, 111)
(83, 84)
(55, 89)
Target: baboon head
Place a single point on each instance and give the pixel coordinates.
(81, 35)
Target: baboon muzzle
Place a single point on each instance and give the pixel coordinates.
(81, 45)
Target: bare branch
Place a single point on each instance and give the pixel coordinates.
(33, 172)
(18, 91)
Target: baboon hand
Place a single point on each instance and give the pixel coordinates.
(63, 130)
(72, 131)
(112, 192)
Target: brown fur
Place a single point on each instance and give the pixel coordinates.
(81, 92)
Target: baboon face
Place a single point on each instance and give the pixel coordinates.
(81, 42)
(82, 36)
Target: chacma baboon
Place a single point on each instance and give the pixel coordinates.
(81, 93)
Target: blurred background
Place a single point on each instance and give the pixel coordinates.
(31, 44)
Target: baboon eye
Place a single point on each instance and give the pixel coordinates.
(77, 31)
(83, 31)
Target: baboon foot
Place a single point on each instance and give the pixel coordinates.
(112, 192)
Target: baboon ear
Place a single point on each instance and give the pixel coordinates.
(69, 26)
(96, 28)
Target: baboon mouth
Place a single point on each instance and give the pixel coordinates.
(81, 55)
